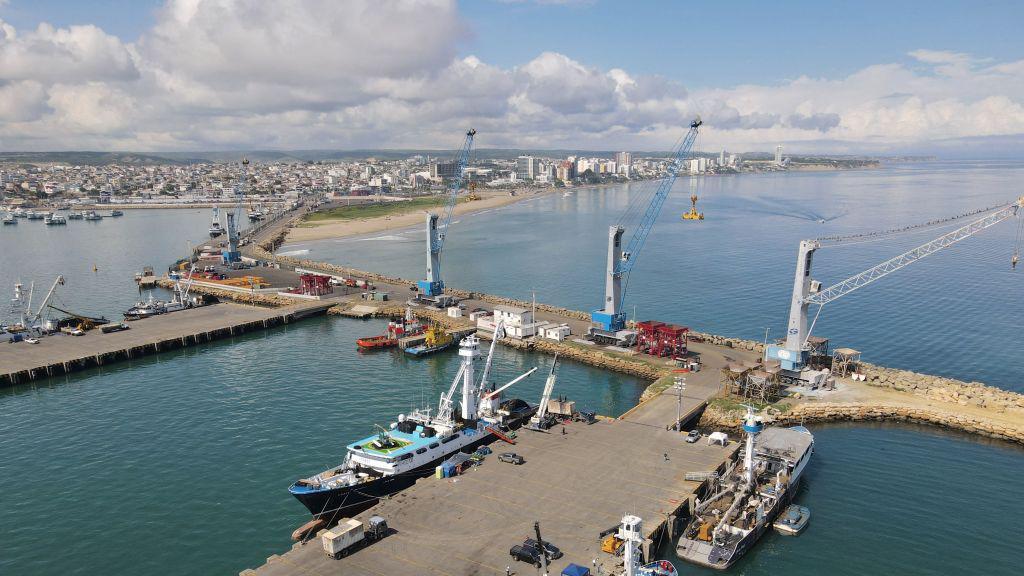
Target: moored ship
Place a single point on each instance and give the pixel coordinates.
(413, 446)
(750, 496)
(396, 329)
(435, 339)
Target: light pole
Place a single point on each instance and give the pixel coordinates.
(765, 348)
(680, 385)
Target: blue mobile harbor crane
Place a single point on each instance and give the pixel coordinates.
(610, 321)
(431, 290)
(232, 254)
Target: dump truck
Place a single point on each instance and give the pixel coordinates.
(351, 535)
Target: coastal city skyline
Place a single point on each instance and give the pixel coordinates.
(201, 75)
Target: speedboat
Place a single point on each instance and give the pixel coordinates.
(793, 520)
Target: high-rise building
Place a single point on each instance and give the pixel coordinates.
(778, 155)
(442, 170)
(527, 167)
(624, 162)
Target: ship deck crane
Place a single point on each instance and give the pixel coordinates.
(610, 321)
(794, 354)
(539, 421)
(432, 287)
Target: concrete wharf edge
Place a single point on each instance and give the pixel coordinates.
(62, 354)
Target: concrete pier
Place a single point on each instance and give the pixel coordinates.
(577, 485)
(60, 354)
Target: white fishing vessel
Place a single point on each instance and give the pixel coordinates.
(75, 216)
(415, 444)
(215, 228)
(9, 219)
(91, 215)
(55, 220)
(749, 497)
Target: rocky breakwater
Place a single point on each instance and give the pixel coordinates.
(583, 355)
(944, 389)
(270, 301)
(719, 418)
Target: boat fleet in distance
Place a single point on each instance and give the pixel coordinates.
(53, 218)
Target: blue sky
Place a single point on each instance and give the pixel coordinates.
(704, 44)
(866, 76)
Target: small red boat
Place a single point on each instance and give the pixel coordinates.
(382, 341)
(408, 326)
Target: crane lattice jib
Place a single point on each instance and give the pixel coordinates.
(893, 264)
(453, 191)
(629, 255)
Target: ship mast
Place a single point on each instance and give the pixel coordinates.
(752, 425)
(469, 350)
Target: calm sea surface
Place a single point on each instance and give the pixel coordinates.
(956, 313)
(179, 463)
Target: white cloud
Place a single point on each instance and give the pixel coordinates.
(373, 73)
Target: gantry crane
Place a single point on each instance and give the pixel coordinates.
(794, 355)
(432, 288)
(610, 321)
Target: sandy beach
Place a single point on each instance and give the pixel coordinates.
(489, 199)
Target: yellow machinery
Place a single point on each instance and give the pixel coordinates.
(611, 544)
(472, 192)
(693, 214)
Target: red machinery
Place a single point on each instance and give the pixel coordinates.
(314, 285)
(660, 339)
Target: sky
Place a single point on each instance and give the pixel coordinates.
(868, 77)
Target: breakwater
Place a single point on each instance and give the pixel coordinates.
(917, 390)
(716, 417)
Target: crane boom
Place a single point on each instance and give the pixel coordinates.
(433, 285)
(611, 319)
(807, 291)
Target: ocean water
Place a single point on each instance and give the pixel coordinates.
(956, 313)
(179, 462)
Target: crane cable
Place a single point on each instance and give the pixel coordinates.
(882, 234)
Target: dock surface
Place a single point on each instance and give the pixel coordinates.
(59, 353)
(577, 485)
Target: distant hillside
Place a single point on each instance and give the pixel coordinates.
(88, 158)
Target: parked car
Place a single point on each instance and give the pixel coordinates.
(524, 554)
(552, 551)
(485, 450)
(511, 458)
(31, 340)
(692, 436)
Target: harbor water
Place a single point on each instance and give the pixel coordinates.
(180, 462)
(956, 313)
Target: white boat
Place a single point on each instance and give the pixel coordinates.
(215, 228)
(75, 216)
(10, 219)
(20, 213)
(55, 220)
(793, 520)
(116, 213)
(33, 215)
(93, 216)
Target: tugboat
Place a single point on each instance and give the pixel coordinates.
(408, 326)
(412, 447)
(749, 497)
(437, 339)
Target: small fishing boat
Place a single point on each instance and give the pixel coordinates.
(92, 216)
(658, 568)
(116, 213)
(408, 326)
(75, 216)
(55, 220)
(436, 340)
(10, 219)
(33, 215)
(793, 520)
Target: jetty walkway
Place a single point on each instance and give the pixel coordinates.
(60, 354)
